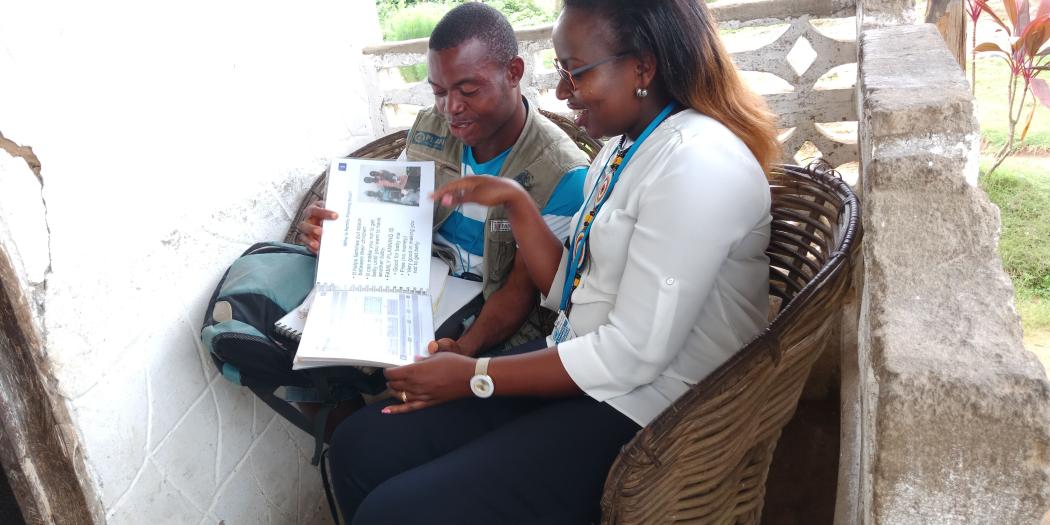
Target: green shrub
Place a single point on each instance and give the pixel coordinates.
(409, 19)
(523, 13)
(414, 21)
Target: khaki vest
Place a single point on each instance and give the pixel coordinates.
(542, 154)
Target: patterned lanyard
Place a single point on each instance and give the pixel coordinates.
(579, 252)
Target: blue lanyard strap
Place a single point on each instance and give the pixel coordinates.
(578, 251)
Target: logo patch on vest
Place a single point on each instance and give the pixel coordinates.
(429, 140)
(497, 226)
(526, 180)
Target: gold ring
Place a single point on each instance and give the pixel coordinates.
(404, 397)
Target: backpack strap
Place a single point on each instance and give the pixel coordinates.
(319, 427)
(328, 488)
(284, 408)
(321, 379)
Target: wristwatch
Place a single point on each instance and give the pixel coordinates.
(481, 383)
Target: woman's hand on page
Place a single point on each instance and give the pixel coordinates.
(442, 377)
(487, 191)
(310, 229)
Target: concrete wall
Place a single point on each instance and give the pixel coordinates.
(170, 137)
(946, 417)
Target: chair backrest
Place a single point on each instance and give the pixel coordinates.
(391, 146)
(705, 459)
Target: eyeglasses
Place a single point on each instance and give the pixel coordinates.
(569, 75)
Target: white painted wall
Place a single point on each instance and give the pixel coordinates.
(172, 136)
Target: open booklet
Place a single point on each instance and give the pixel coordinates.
(371, 305)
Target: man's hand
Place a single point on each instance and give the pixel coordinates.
(310, 229)
(442, 377)
(448, 345)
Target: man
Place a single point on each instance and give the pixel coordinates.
(395, 196)
(480, 125)
(386, 179)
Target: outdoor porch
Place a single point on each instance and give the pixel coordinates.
(926, 410)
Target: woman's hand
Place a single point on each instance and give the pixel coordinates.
(540, 248)
(442, 377)
(310, 228)
(487, 191)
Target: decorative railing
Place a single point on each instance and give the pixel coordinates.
(805, 66)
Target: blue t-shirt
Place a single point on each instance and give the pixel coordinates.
(464, 229)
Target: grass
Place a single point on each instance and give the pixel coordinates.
(1021, 189)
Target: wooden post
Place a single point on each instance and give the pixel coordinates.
(950, 18)
(39, 450)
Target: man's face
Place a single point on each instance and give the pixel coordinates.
(475, 93)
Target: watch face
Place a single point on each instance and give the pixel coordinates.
(482, 386)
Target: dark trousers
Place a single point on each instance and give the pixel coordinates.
(478, 461)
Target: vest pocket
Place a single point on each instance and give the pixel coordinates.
(500, 258)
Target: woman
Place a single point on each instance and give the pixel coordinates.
(665, 279)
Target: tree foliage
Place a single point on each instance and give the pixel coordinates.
(409, 19)
(521, 13)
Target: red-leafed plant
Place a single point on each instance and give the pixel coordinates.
(1026, 53)
(973, 10)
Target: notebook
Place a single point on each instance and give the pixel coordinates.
(293, 323)
(372, 304)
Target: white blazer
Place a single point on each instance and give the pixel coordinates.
(678, 279)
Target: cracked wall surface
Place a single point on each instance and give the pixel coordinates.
(166, 141)
(39, 447)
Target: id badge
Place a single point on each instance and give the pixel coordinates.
(562, 330)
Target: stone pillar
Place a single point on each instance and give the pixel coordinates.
(951, 415)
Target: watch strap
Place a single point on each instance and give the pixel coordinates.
(481, 367)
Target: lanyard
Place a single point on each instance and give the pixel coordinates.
(578, 251)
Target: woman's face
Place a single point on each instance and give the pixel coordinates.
(604, 97)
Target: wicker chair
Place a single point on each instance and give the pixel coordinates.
(705, 458)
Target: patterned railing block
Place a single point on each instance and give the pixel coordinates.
(818, 117)
(808, 105)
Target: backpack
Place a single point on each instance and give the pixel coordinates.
(262, 285)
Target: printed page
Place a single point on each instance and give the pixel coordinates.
(382, 237)
(380, 329)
